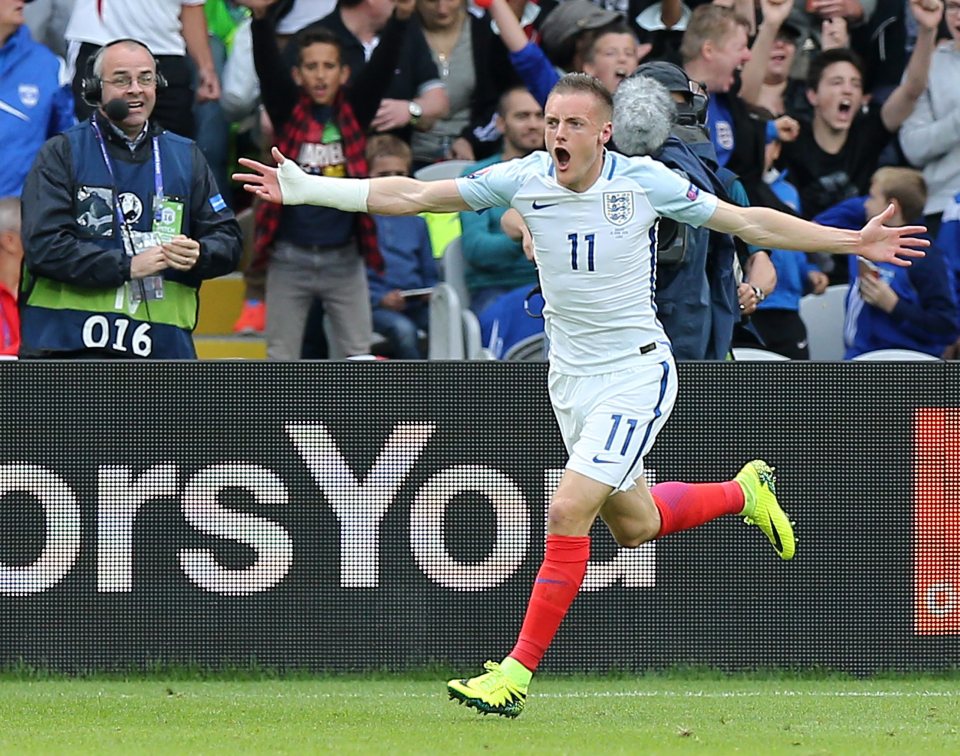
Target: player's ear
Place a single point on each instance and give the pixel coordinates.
(606, 132)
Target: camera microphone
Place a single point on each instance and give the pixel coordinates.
(117, 109)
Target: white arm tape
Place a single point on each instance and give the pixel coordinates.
(297, 188)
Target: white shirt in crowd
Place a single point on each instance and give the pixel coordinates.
(156, 23)
(303, 13)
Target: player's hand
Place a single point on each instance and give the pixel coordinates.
(181, 252)
(149, 262)
(265, 183)
(891, 244)
(877, 292)
(819, 281)
(393, 300)
(526, 242)
(392, 114)
(927, 13)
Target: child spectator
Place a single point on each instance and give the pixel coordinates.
(315, 252)
(888, 306)
(408, 264)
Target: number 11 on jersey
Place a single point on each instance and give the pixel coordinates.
(574, 240)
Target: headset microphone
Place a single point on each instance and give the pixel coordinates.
(117, 110)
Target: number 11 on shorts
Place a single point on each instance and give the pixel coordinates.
(631, 426)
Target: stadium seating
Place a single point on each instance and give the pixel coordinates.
(531, 349)
(453, 270)
(446, 169)
(822, 314)
(446, 324)
(750, 354)
(896, 355)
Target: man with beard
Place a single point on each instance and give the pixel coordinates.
(495, 262)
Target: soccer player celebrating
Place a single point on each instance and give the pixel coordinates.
(592, 216)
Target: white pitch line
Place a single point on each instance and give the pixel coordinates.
(667, 694)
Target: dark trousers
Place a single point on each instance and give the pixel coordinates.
(174, 109)
(783, 332)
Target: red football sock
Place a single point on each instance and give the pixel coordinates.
(686, 505)
(556, 586)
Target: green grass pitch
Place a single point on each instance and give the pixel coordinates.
(659, 714)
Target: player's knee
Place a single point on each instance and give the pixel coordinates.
(566, 514)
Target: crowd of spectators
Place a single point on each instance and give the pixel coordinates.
(829, 109)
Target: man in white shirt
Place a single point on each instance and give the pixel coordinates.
(592, 219)
(172, 29)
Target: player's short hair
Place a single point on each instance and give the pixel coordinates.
(709, 23)
(576, 83)
(388, 145)
(318, 35)
(591, 37)
(9, 214)
(906, 186)
(827, 58)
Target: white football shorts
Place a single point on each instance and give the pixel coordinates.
(610, 421)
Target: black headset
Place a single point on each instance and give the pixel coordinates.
(693, 112)
(91, 86)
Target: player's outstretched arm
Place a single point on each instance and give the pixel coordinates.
(770, 228)
(287, 184)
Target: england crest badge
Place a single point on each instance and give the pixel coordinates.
(29, 94)
(618, 207)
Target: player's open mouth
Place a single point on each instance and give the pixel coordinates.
(621, 73)
(845, 108)
(562, 158)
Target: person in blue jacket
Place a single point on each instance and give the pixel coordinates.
(777, 318)
(122, 222)
(35, 98)
(400, 293)
(889, 307)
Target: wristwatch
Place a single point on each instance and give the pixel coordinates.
(415, 112)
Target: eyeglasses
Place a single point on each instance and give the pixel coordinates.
(146, 79)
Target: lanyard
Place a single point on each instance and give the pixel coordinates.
(157, 175)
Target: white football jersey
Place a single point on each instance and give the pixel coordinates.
(595, 250)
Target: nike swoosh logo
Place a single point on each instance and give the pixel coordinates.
(541, 207)
(777, 543)
(598, 460)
